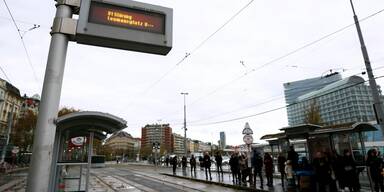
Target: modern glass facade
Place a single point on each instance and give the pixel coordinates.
(293, 90)
(345, 101)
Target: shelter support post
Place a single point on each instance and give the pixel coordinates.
(90, 151)
(361, 138)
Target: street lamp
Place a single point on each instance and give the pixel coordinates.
(185, 125)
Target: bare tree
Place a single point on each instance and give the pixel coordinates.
(312, 114)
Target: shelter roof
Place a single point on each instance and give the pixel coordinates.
(82, 123)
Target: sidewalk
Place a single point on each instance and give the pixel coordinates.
(224, 179)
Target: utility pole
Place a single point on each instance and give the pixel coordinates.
(40, 170)
(377, 104)
(185, 125)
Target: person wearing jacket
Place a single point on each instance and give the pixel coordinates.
(257, 164)
(375, 165)
(207, 165)
(268, 164)
(281, 166)
(349, 172)
(234, 164)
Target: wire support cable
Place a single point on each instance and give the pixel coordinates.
(282, 107)
(283, 57)
(22, 41)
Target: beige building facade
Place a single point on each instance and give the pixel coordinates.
(10, 104)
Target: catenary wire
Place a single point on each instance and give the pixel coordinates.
(22, 41)
(283, 56)
(188, 54)
(269, 101)
(279, 108)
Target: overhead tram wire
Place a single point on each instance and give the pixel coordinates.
(22, 41)
(5, 75)
(284, 56)
(271, 100)
(279, 108)
(277, 97)
(188, 54)
(265, 102)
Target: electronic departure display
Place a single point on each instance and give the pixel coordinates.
(137, 19)
(125, 24)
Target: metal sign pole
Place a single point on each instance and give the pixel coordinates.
(40, 170)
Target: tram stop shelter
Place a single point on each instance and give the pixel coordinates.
(73, 148)
(308, 139)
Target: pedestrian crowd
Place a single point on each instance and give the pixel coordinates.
(328, 171)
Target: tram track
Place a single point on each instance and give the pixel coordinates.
(130, 179)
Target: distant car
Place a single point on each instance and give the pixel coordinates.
(226, 160)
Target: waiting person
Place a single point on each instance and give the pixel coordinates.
(243, 168)
(375, 164)
(257, 167)
(219, 162)
(281, 167)
(201, 162)
(290, 178)
(192, 161)
(350, 173)
(207, 165)
(323, 172)
(184, 162)
(234, 164)
(294, 157)
(167, 161)
(174, 164)
(268, 164)
(338, 168)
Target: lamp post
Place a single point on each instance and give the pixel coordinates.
(185, 125)
(378, 106)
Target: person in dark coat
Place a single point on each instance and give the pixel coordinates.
(349, 172)
(281, 166)
(219, 162)
(192, 161)
(234, 164)
(323, 172)
(184, 162)
(294, 157)
(268, 164)
(201, 162)
(243, 167)
(257, 164)
(375, 164)
(338, 168)
(174, 164)
(207, 165)
(167, 161)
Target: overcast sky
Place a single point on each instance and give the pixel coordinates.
(130, 84)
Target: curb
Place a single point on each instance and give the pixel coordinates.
(216, 183)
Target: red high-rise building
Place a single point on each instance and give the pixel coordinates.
(160, 133)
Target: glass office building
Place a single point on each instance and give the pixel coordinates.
(293, 90)
(345, 101)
